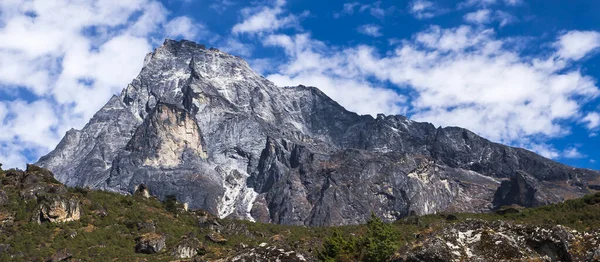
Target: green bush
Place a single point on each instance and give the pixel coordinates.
(378, 243)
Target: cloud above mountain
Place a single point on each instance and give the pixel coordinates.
(60, 62)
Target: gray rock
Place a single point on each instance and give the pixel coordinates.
(215, 237)
(60, 255)
(265, 253)
(477, 240)
(522, 190)
(188, 247)
(150, 243)
(199, 124)
(3, 198)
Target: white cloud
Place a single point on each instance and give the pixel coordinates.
(72, 56)
(460, 76)
(572, 153)
(591, 120)
(486, 16)
(221, 5)
(479, 3)
(542, 149)
(266, 19)
(347, 9)
(577, 44)
(182, 26)
(373, 9)
(513, 2)
(468, 78)
(481, 16)
(235, 47)
(423, 9)
(485, 3)
(311, 63)
(370, 30)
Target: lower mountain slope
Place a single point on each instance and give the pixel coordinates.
(42, 220)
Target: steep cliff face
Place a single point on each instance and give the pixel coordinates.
(200, 124)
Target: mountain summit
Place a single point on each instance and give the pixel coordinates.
(200, 124)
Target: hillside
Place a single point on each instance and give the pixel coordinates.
(40, 219)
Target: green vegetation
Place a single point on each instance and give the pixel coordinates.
(109, 225)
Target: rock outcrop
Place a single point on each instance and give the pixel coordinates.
(58, 209)
(523, 190)
(477, 240)
(53, 201)
(150, 243)
(199, 124)
(188, 247)
(264, 253)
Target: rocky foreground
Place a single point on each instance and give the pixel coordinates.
(42, 220)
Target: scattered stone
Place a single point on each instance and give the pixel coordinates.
(216, 237)
(277, 238)
(146, 227)
(6, 218)
(266, 253)
(3, 198)
(101, 212)
(4, 248)
(60, 255)
(188, 247)
(142, 190)
(150, 243)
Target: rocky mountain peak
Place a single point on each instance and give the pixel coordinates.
(200, 124)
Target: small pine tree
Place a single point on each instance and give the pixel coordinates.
(171, 203)
(380, 242)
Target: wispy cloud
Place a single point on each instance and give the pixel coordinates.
(370, 30)
(71, 57)
(486, 16)
(265, 19)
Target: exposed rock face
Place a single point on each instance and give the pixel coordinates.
(477, 240)
(265, 253)
(200, 124)
(522, 190)
(150, 243)
(58, 209)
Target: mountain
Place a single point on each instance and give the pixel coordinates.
(200, 124)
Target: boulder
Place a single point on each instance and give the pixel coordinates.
(216, 237)
(6, 218)
(60, 255)
(146, 227)
(188, 247)
(142, 190)
(3, 198)
(57, 209)
(150, 243)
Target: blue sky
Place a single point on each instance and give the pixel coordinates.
(519, 72)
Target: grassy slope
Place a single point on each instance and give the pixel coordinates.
(104, 238)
